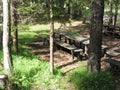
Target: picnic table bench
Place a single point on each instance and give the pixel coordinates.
(72, 48)
(114, 63)
(114, 58)
(86, 46)
(115, 31)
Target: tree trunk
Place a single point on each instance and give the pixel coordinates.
(51, 38)
(6, 35)
(1, 20)
(116, 12)
(95, 36)
(111, 14)
(71, 10)
(14, 23)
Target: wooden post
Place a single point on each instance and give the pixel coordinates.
(72, 54)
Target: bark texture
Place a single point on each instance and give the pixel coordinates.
(14, 23)
(96, 35)
(51, 38)
(6, 35)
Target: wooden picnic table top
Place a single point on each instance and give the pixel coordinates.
(112, 27)
(72, 37)
(114, 52)
(60, 32)
(114, 55)
(76, 38)
(81, 39)
(87, 42)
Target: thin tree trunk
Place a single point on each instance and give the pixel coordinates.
(111, 14)
(95, 36)
(51, 38)
(71, 10)
(116, 12)
(14, 25)
(15, 41)
(6, 35)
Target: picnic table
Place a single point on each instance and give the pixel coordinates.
(68, 41)
(78, 41)
(114, 57)
(114, 30)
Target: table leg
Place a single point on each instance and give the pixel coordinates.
(72, 54)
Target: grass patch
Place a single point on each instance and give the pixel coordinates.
(39, 27)
(23, 27)
(32, 73)
(92, 81)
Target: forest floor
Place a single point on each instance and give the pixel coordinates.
(62, 59)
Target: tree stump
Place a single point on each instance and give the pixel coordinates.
(3, 81)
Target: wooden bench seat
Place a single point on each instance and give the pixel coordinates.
(104, 50)
(115, 64)
(72, 48)
(113, 61)
(111, 30)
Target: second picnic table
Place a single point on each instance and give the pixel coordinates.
(77, 41)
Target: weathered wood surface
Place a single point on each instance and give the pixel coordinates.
(114, 56)
(72, 48)
(115, 31)
(65, 45)
(83, 41)
(70, 36)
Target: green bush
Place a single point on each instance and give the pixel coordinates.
(92, 81)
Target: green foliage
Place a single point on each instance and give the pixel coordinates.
(1, 55)
(1, 62)
(23, 27)
(30, 72)
(72, 32)
(92, 81)
(39, 10)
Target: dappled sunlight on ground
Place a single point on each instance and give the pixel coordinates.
(62, 59)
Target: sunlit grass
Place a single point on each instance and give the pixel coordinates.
(92, 81)
(39, 27)
(31, 73)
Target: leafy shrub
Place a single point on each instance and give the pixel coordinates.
(93, 81)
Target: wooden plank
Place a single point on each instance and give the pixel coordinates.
(113, 61)
(76, 38)
(66, 45)
(78, 50)
(72, 48)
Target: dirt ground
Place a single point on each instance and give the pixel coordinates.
(62, 59)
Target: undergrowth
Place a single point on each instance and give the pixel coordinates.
(31, 73)
(92, 81)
